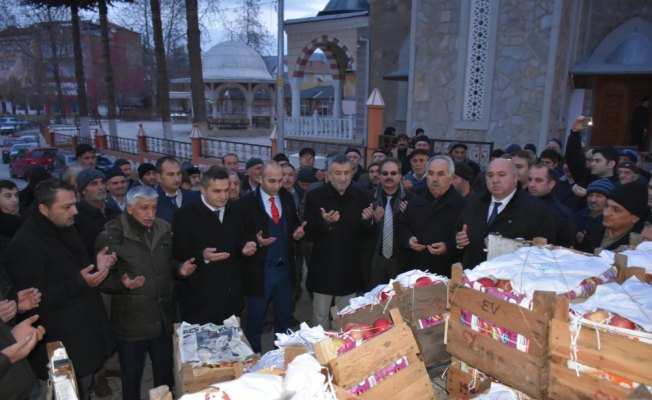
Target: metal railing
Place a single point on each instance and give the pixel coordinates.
(322, 148)
(320, 127)
(477, 151)
(180, 150)
(62, 140)
(124, 145)
(215, 148)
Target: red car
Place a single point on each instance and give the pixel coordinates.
(44, 156)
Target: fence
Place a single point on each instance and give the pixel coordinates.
(320, 127)
(477, 151)
(295, 145)
(180, 150)
(214, 148)
(125, 145)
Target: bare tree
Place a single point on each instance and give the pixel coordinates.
(246, 27)
(196, 76)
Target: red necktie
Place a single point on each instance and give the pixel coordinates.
(275, 214)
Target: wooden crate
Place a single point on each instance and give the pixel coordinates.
(425, 301)
(357, 364)
(526, 372)
(461, 384)
(612, 353)
(190, 380)
(365, 315)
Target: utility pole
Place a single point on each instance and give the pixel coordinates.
(280, 97)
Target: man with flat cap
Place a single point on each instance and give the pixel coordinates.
(462, 179)
(116, 185)
(459, 153)
(590, 217)
(252, 179)
(624, 213)
(353, 154)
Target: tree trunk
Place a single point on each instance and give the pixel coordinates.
(108, 68)
(52, 38)
(163, 87)
(84, 128)
(194, 57)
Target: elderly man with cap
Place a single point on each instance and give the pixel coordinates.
(628, 173)
(415, 180)
(92, 209)
(195, 176)
(127, 169)
(354, 155)
(624, 213)
(458, 152)
(85, 155)
(402, 152)
(252, 179)
(423, 143)
(590, 217)
(462, 179)
(147, 175)
(116, 185)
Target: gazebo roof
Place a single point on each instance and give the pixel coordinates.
(233, 61)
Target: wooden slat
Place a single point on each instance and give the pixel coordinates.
(431, 344)
(355, 365)
(531, 324)
(367, 315)
(617, 354)
(458, 382)
(514, 368)
(420, 302)
(566, 385)
(410, 383)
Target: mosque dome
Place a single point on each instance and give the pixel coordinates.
(234, 61)
(344, 6)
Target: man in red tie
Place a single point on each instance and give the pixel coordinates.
(270, 218)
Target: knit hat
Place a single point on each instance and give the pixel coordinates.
(422, 138)
(630, 166)
(144, 168)
(83, 148)
(86, 176)
(463, 170)
(252, 162)
(112, 173)
(306, 175)
(631, 154)
(602, 186)
(530, 147)
(352, 150)
(632, 196)
(513, 148)
(497, 153)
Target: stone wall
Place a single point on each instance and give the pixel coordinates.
(390, 29)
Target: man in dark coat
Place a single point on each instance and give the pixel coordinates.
(171, 196)
(382, 254)
(16, 376)
(625, 213)
(47, 253)
(426, 229)
(92, 210)
(337, 214)
(504, 209)
(271, 218)
(541, 182)
(209, 230)
(143, 301)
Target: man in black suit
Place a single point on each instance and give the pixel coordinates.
(504, 209)
(208, 229)
(271, 218)
(171, 196)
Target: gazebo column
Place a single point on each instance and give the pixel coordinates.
(337, 100)
(249, 101)
(295, 84)
(214, 100)
(272, 106)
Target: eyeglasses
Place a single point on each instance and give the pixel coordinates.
(392, 173)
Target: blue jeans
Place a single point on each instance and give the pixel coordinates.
(278, 288)
(132, 363)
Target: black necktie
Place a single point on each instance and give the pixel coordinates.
(494, 213)
(218, 212)
(173, 199)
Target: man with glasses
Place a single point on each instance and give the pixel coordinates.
(390, 201)
(307, 161)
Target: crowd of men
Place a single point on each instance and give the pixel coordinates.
(106, 262)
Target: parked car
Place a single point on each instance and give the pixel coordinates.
(104, 162)
(8, 144)
(18, 147)
(25, 158)
(12, 124)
